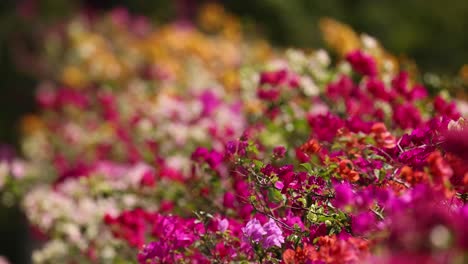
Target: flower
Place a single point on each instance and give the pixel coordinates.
(223, 225)
(274, 235)
(363, 222)
(362, 63)
(254, 231)
(343, 195)
(407, 116)
(301, 255)
(268, 235)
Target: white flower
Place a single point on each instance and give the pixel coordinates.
(309, 87)
(368, 42)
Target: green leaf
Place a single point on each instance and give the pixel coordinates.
(275, 195)
(307, 166)
(258, 164)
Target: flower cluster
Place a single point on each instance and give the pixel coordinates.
(336, 165)
(268, 235)
(169, 146)
(123, 115)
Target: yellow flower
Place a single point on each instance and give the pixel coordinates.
(72, 76)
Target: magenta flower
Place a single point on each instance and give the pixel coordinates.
(444, 108)
(213, 157)
(274, 78)
(457, 143)
(326, 126)
(209, 101)
(400, 83)
(341, 88)
(377, 88)
(362, 63)
(343, 195)
(407, 116)
(363, 222)
(279, 152)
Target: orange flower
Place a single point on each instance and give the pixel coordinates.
(382, 137)
(310, 147)
(300, 255)
(346, 171)
(334, 250)
(440, 169)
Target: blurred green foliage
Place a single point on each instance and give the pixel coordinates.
(430, 31)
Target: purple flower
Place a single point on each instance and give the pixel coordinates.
(254, 231)
(231, 147)
(274, 235)
(269, 235)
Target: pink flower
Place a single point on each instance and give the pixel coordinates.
(148, 179)
(279, 185)
(223, 225)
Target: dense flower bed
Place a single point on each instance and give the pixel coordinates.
(171, 146)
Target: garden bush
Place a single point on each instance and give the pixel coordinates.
(170, 144)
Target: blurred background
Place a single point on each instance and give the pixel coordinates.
(429, 32)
